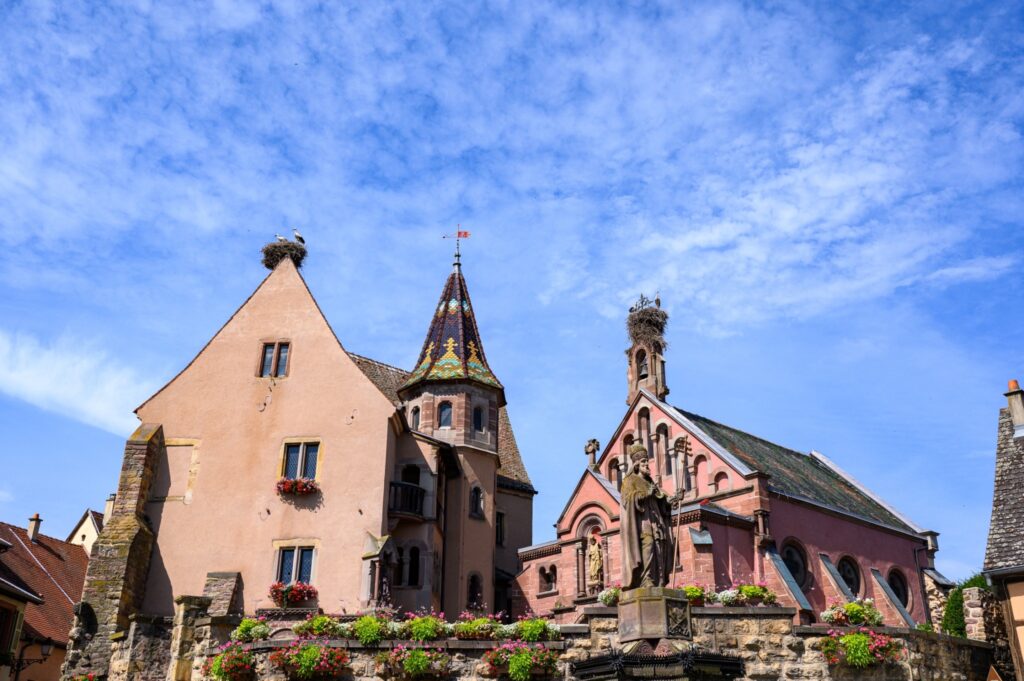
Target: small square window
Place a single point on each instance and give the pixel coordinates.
(295, 564)
(274, 360)
(300, 459)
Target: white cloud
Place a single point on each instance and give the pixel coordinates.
(73, 378)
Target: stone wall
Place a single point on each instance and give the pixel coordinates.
(119, 565)
(984, 619)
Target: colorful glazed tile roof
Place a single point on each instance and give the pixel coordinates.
(452, 349)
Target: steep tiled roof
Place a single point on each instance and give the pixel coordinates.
(51, 568)
(1006, 530)
(799, 475)
(452, 349)
(388, 379)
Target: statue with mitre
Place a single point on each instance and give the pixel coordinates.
(645, 526)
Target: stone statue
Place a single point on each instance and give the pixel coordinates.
(591, 449)
(595, 566)
(645, 526)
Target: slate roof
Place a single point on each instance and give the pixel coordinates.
(52, 568)
(796, 474)
(452, 349)
(1005, 548)
(389, 379)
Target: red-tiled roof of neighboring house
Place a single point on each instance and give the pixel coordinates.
(51, 568)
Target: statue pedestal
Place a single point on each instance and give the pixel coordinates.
(654, 613)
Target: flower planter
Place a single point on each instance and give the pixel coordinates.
(297, 487)
(292, 595)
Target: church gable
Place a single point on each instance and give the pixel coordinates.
(593, 496)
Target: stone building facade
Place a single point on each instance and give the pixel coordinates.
(421, 497)
(747, 510)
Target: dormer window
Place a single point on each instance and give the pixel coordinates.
(444, 415)
(274, 361)
(478, 419)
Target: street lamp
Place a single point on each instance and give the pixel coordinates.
(45, 649)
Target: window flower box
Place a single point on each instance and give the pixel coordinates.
(298, 487)
(231, 663)
(860, 648)
(284, 595)
(308, 659)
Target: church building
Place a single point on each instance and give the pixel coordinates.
(280, 469)
(747, 511)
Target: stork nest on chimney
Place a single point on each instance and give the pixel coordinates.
(276, 251)
(647, 327)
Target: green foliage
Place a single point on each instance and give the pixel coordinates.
(416, 663)
(321, 626)
(693, 593)
(425, 628)
(250, 629)
(233, 663)
(369, 630)
(924, 626)
(953, 616)
(520, 665)
(310, 660)
(863, 612)
(857, 650)
(533, 629)
(756, 592)
(976, 580)
(478, 628)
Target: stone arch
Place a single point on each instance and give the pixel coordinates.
(590, 522)
(721, 480)
(700, 474)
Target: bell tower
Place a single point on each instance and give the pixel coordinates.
(645, 357)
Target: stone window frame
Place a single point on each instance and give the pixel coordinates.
(277, 343)
(547, 580)
(297, 545)
(406, 551)
(906, 586)
(414, 418)
(303, 442)
(482, 411)
(850, 560)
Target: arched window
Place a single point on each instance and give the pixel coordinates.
(615, 473)
(444, 415)
(848, 570)
(552, 578)
(643, 424)
(662, 447)
(898, 584)
(478, 419)
(641, 364)
(700, 473)
(681, 451)
(722, 482)
(475, 593)
(415, 418)
(411, 474)
(414, 567)
(796, 560)
(476, 502)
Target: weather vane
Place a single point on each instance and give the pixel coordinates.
(458, 236)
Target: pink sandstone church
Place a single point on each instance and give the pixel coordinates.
(747, 511)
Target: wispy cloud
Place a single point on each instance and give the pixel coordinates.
(76, 379)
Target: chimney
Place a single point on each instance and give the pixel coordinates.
(108, 509)
(33, 527)
(1015, 397)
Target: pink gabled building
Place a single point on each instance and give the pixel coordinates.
(751, 511)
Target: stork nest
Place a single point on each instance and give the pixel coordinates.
(647, 327)
(276, 251)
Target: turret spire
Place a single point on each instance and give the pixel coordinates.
(452, 350)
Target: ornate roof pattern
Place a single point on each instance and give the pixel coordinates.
(452, 349)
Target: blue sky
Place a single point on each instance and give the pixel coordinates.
(827, 197)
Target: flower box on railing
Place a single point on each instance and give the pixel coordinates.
(297, 486)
